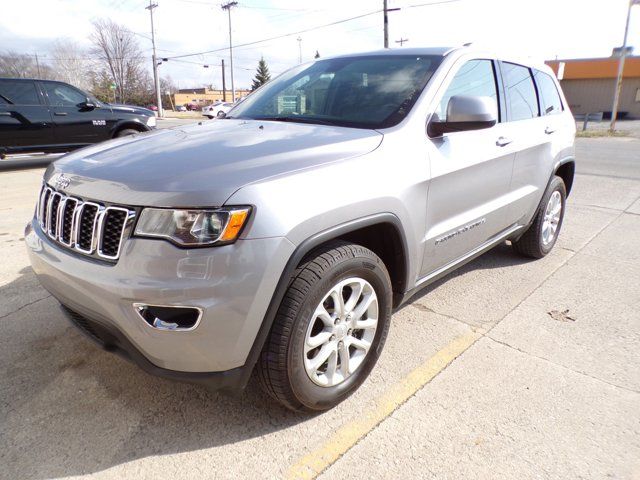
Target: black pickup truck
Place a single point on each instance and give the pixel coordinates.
(52, 116)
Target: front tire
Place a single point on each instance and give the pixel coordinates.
(125, 132)
(542, 235)
(329, 330)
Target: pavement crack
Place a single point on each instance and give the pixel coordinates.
(424, 308)
(564, 367)
(24, 306)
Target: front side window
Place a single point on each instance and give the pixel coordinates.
(549, 96)
(374, 91)
(523, 101)
(476, 78)
(15, 92)
(61, 95)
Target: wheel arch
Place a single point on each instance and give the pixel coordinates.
(386, 224)
(566, 170)
(122, 125)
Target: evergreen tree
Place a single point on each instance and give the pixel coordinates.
(262, 75)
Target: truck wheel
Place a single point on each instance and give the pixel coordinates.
(126, 132)
(329, 330)
(541, 236)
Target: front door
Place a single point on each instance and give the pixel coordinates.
(25, 121)
(468, 200)
(74, 122)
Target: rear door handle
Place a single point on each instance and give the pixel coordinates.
(5, 114)
(549, 130)
(503, 141)
(60, 114)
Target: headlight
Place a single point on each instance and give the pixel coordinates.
(193, 228)
(151, 121)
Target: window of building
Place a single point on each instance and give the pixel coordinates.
(523, 101)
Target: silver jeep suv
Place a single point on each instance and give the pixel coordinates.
(280, 238)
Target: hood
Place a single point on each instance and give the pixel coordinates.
(117, 107)
(203, 164)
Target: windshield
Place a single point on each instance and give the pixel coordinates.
(375, 91)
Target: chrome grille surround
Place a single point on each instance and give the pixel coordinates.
(82, 226)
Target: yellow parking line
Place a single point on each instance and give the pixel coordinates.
(311, 465)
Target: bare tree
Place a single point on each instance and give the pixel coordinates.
(21, 65)
(117, 51)
(71, 64)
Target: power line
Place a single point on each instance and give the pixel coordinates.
(282, 36)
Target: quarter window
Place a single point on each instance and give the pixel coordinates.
(61, 95)
(475, 78)
(549, 96)
(14, 92)
(523, 101)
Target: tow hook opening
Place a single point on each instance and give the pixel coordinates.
(163, 317)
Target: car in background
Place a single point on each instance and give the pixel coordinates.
(180, 108)
(192, 107)
(216, 109)
(153, 108)
(51, 116)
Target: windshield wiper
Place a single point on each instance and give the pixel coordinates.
(6, 99)
(297, 119)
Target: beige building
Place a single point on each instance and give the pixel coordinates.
(589, 84)
(203, 96)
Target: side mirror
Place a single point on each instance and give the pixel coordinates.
(466, 112)
(87, 104)
(221, 114)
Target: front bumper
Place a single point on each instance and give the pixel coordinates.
(232, 284)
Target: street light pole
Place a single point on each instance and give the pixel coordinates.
(227, 7)
(623, 54)
(156, 77)
(299, 50)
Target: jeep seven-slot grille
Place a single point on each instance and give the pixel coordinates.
(83, 226)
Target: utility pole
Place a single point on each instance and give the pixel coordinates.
(224, 84)
(299, 50)
(156, 77)
(623, 54)
(228, 7)
(386, 10)
(38, 65)
(402, 40)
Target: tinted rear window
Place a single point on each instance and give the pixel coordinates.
(549, 96)
(523, 101)
(18, 92)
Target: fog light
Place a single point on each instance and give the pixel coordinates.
(165, 317)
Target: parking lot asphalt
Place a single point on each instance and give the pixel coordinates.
(507, 368)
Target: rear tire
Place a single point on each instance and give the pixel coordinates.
(542, 234)
(125, 132)
(353, 330)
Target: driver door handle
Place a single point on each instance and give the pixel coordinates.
(549, 130)
(5, 114)
(503, 141)
(60, 114)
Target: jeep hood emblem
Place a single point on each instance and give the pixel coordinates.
(61, 182)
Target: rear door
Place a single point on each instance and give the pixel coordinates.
(531, 134)
(468, 199)
(74, 123)
(24, 119)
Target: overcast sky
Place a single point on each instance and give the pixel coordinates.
(539, 28)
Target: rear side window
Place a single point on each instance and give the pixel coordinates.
(15, 92)
(523, 101)
(476, 78)
(549, 96)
